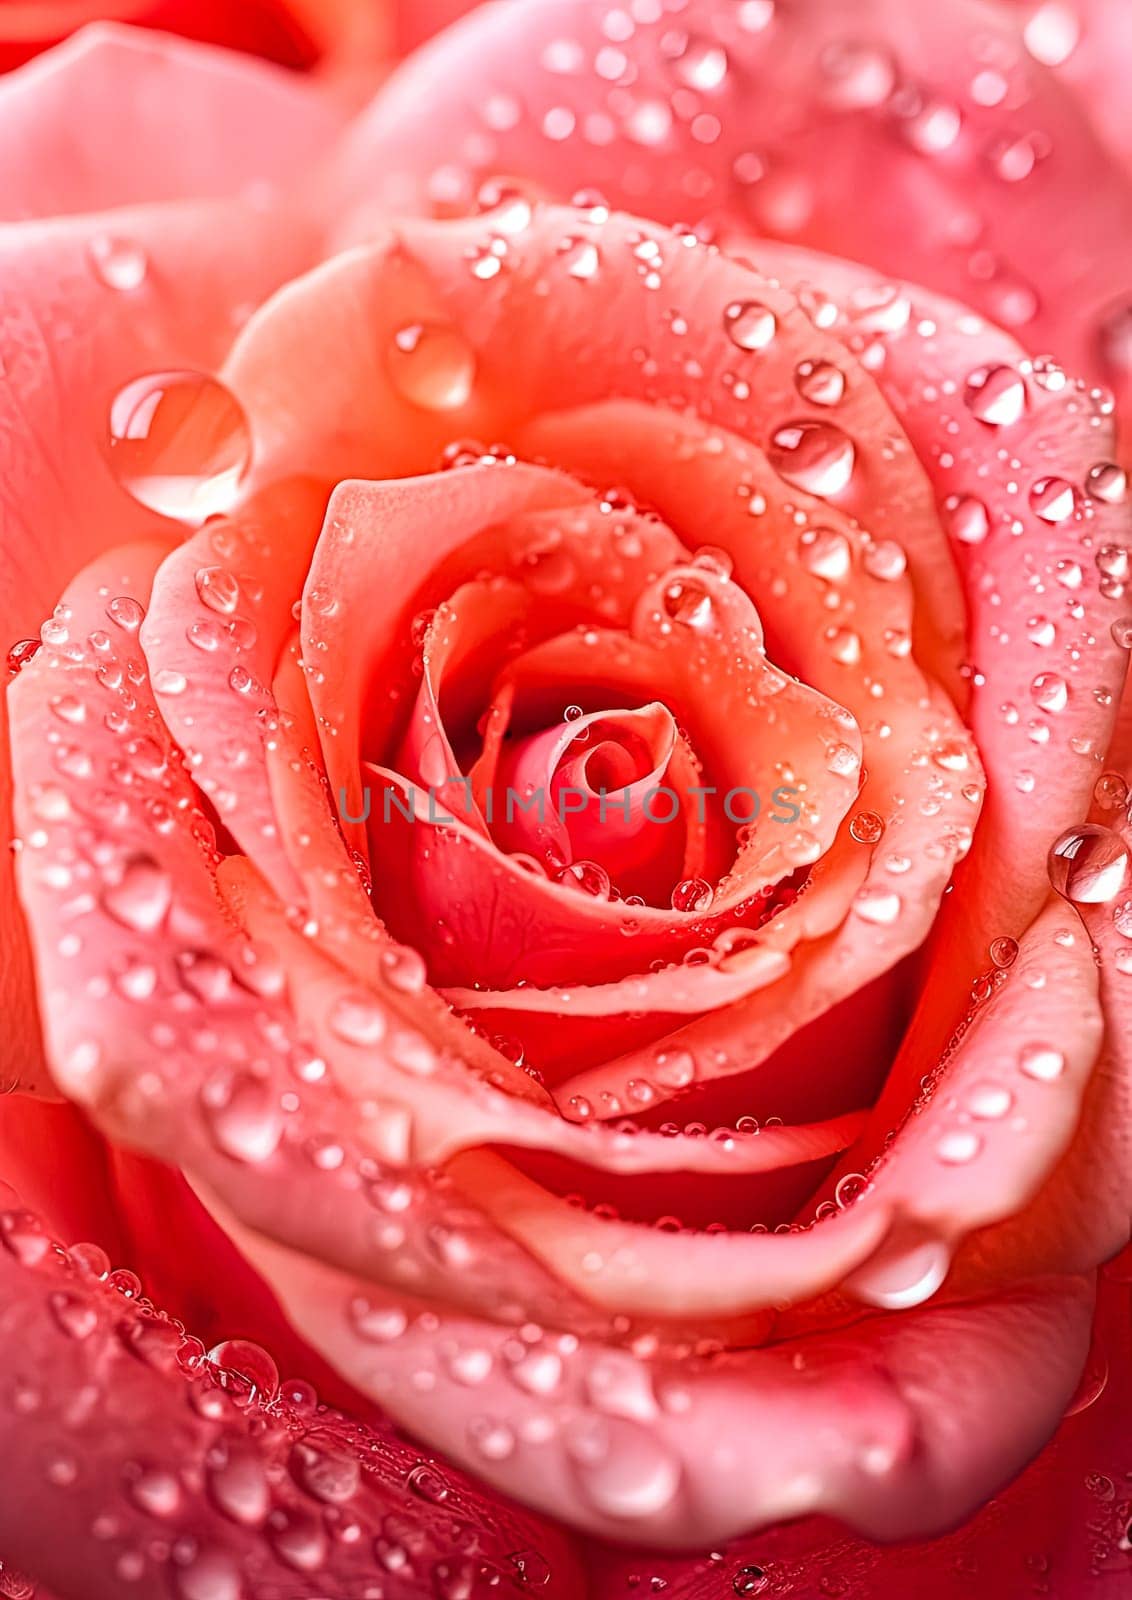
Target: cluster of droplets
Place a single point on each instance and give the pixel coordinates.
(268, 1477)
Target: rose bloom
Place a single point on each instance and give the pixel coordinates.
(693, 399)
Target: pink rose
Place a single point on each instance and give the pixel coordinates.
(572, 812)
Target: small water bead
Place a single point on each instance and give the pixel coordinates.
(23, 651)
(996, 395)
(703, 64)
(1041, 1062)
(243, 1116)
(432, 365)
(1111, 792)
(858, 75)
(749, 324)
(118, 263)
(968, 520)
(1053, 499)
(249, 1361)
(1004, 951)
(1088, 864)
(820, 382)
(989, 1101)
(590, 877)
(876, 905)
(1122, 632)
(1052, 32)
(826, 554)
(218, 589)
(126, 612)
(958, 1147)
(748, 1581)
(866, 827)
(581, 258)
(1108, 482)
(180, 443)
(884, 559)
(142, 895)
(1050, 692)
(692, 895)
(814, 456)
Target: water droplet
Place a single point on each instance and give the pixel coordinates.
(74, 1313)
(692, 895)
(749, 324)
(581, 258)
(825, 553)
(1004, 951)
(205, 1574)
(1041, 1062)
(1122, 632)
(814, 456)
(1053, 499)
(1052, 32)
(958, 1147)
(588, 876)
(23, 651)
(180, 444)
(703, 64)
(1049, 691)
(866, 827)
(404, 969)
(118, 263)
(989, 1101)
(857, 75)
(820, 382)
(244, 1116)
(624, 1470)
(749, 1580)
(876, 905)
(249, 1361)
(126, 612)
(142, 895)
(1088, 864)
(968, 520)
(357, 1018)
(1108, 482)
(996, 395)
(218, 589)
(432, 365)
(323, 1469)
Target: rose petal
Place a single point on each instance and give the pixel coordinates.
(866, 1424)
(971, 150)
(172, 1474)
(91, 120)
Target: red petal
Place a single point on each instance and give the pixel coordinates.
(91, 121)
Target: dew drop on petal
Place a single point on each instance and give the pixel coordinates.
(996, 395)
(692, 895)
(180, 444)
(432, 365)
(249, 1361)
(141, 896)
(820, 382)
(118, 263)
(814, 456)
(1041, 1062)
(749, 324)
(243, 1115)
(968, 520)
(1053, 499)
(1088, 864)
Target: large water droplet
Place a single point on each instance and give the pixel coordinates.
(1088, 864)
(118, 263)
(749, 324)
(432, 365)
(815, 456)
(180, 444)
(142, 895)
(996, 395)
(244, 1116)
